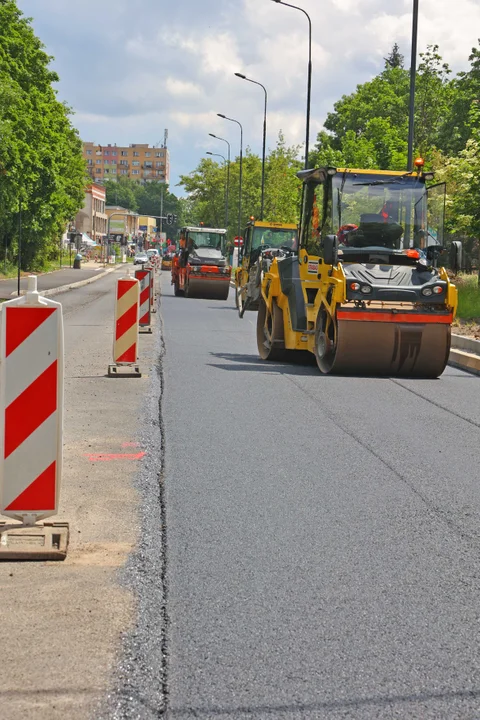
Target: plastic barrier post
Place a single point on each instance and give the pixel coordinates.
(125, 335)
(31, 426)
(143, 277)
(152, 290)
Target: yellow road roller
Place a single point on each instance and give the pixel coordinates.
(260, 239)
(364, 292)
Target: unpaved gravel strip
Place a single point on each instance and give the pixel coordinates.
(61, 623)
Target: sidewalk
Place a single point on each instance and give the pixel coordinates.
(56, 279)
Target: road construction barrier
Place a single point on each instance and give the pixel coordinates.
(143, 277)
(31, 424)
(125, 336)
(152, 287)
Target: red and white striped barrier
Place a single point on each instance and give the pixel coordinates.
(125, 337)
(31, 406)
(143, 277)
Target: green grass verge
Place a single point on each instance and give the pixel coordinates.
(468, 297)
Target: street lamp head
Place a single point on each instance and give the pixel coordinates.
(222, 116)
(209, 153)
(212, 135)
(244, 77)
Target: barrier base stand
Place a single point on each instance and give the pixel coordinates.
(145, 330)
(42, 541)
(124, 371)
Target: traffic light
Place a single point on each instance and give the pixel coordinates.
(169, 218)
(174, 218)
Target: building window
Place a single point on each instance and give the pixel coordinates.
(135, 172)
(123, 172)
(89, 162)
(98, 162)
(123, 162)
(114, 153)
(148, 164)
(159, 154)
(113, 171)
(98, 171)
(106, 152)
(159, 164)
(136, 154)
(89, 152)
(147, 154)
(106, 171)
(124, 152)
(135, 162)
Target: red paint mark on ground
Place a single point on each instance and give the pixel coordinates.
(106, 457)
(129, 444)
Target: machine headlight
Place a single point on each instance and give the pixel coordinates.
(355, 286)
(366, 289)
(438, 289)
(428, 291)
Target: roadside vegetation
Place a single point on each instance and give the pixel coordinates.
(42, 171)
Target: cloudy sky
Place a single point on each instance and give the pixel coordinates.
(131, 69)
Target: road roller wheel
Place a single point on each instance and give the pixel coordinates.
(224, 295)
(325, 341)
(270, 337)
(176, 289)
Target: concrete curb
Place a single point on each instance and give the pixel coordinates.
(81, 283)
(465, 354)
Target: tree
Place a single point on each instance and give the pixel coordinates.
(42, 171)
(395, 59)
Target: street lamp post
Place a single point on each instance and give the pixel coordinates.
(309, 76)
(241, 170)
(244, 77)
(413, 76)
(226, 181)
(228, 175)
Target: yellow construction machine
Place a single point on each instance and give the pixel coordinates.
(364, 292)
(261, 240)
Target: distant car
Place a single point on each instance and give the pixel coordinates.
(153, 251)
(140, 259)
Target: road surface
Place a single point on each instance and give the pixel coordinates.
(263, 541)
(322, 539)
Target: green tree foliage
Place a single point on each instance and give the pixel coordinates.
(42, 172)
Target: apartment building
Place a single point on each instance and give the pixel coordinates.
(143, 163)
(92, 218)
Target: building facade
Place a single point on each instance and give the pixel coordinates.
(123, 224)
(142, 163)
(92, 218)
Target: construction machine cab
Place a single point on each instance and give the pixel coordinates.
(263, 241)
(371, 209)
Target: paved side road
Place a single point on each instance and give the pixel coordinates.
(48, 281)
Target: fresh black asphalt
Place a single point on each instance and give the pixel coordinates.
(311, 544)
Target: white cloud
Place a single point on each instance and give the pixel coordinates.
(172, 64)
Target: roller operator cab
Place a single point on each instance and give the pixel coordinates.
(262, 240)
(364, 294)
(200, 268)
